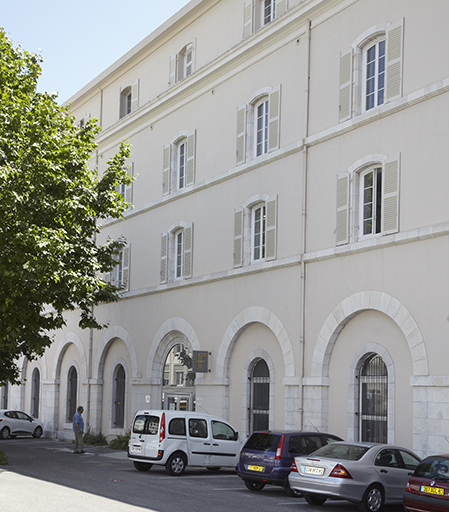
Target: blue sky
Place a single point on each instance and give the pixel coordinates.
(78, 39)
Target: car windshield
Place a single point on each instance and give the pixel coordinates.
(435, 468)
(262, 441)
(341, 451)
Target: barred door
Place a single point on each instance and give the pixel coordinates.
(119, 397)
(373, 402)
(35, 393)
(260, 396)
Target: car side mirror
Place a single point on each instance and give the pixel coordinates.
(236, 436)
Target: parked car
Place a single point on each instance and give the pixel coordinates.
(176, 439)
(368, 474)
(428, 488)
(267, 456)
(17, 423)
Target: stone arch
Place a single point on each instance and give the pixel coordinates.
(241, 322)
(352, 306)
(63, 344)
(164, 339)
(110, 335)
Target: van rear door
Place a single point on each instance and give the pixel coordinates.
(145, 436)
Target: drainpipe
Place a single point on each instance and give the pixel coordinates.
(304, 222)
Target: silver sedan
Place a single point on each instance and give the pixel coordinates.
(17, 423)
(368, 474)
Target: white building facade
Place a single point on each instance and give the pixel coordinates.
(290, 218)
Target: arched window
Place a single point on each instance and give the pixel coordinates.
(125, 102)
(119, 397)
(373, 402)
(261, 127)
(35, 393)
(374, 79)
(259, 411)
(258, 218)
(72, 392)
(371, 201)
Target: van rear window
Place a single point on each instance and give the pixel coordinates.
(263, 442)
(144, 424)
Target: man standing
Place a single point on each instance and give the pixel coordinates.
(78, 428)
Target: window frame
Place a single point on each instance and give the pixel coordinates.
(261, 124)
(176, 265)
(258, 232)
(270, 6)
(376, 217)
(378, 73)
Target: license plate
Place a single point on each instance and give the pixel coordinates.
(137, 448)
(255, 468)
(313, 471)
(432, 490)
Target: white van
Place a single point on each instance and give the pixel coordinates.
(176, 439)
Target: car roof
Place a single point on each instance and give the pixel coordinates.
(294, 432)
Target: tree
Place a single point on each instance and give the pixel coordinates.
(51, 208)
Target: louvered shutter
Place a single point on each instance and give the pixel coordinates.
(248, 19)
(274, 108)
(189, 60)
(241, 135)
(394, 49)
(190, 178)
(270, 229)
(126, 259)
(166, 170)
(187, 260)
(390, 195)
(342, 208)
(345, 85)
(129, 188)
(238, 237)
(164, 258)
(281, 7)
(173, 70)
(134, 95)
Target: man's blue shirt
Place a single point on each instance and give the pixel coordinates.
(77, 418)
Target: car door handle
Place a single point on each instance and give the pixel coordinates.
(383, 471)
(207, 444)
(216, 444)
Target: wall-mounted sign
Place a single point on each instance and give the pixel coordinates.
(200, 361)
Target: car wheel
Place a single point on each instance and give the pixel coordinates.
(213, 468)
(4, 433)
(293, 493)
(38, 432)
(176, 464)
(142, 466)
(315, 499)
(372, 499)
(254, 486)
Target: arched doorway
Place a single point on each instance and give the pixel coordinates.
(119, 397)
(72, 389)
(178, 381)
(35, 393)
(259, 409)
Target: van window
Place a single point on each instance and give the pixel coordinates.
(222, 431)
(177, 427)
(197, 428)
(144, 424)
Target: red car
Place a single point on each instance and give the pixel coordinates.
(428, 488)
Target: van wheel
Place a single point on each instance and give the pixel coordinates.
(315, 499)
(176, 464)
(293, 493)
(254, 486)
(213, 468)
(142, 466)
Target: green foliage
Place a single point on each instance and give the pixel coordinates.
(95, 439)
(120, 442)
(3, 458)
(51, 202)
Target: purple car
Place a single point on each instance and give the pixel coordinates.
(267, 456)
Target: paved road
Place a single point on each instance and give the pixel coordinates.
(45, 476)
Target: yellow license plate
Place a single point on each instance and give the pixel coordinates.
(255, 468)
(432, 490)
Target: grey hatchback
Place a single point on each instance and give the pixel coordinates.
(267, 456)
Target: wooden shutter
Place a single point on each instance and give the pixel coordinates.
(189, 60)
(173, 70)
(274, 108)
(164, 258)
(342, 208)
(270, 229)
(390, 195)
(190, 176)
(134, 95)
(187, 260)
(248, 19)
(241, 135)
(345, 85)
(166, 170)
(129, 188)
(238, 237)
(281, 7)
(394, 50)
(126, 259)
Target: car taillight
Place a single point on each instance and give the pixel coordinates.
(162, 431)
(294, 469)
(340, 472)
(280, 448)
